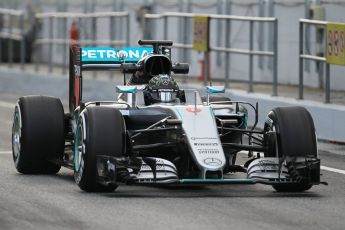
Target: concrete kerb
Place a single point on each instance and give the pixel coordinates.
(328, 118)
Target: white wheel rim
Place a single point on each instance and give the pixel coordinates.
(16, 134)
(79, 149)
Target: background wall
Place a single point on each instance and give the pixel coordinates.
(288, 13)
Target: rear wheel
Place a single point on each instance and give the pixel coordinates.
(38, 135)
(100, 131)
(295, 132)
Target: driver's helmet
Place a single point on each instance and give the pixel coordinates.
(161, 88)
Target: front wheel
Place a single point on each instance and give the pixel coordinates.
(295, 142)
(100, 132)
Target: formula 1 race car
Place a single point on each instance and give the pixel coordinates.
(157, 133)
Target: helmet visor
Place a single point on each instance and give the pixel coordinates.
(164, 96)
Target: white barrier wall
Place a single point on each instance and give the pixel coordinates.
(287, 12)
(329, 119)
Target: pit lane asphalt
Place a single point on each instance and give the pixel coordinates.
(56, 202)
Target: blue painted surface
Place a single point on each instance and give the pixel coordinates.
(215, 89)
(112, 55)
(126, 89)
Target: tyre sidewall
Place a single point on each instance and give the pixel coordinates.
(42, 134)
(280, 120)
(86, 173)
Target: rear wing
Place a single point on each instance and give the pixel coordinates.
(97, 58)
(155, 60)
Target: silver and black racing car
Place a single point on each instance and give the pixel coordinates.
(155, 132)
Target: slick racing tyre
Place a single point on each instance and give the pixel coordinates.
(38, 136)
(296, 137)
(100, 131)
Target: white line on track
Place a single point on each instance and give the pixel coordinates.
(332, 169)
(7, 105)
(6, 122)
(5, 152)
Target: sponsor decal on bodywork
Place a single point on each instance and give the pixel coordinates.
(213, 161)
(208, 151)
(109, 54)
(193, 109)
(203, 138)
(205, 144)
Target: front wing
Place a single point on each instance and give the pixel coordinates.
(150, 171)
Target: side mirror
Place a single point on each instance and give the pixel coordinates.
(215, 89)
(126, 89)
(130, 91)
(180, 68)
(212, 90)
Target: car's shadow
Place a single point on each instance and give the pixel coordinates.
(206, 191)
(68, 176)
(190, 191)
